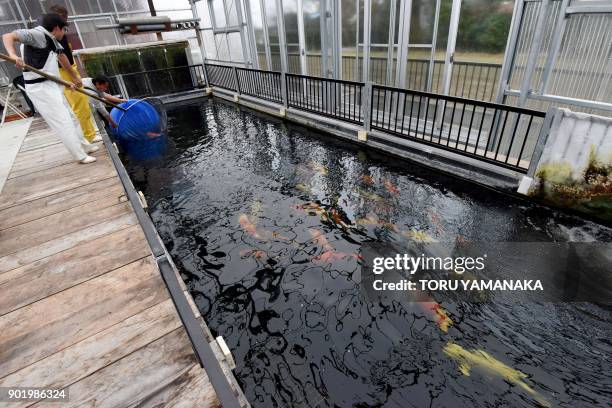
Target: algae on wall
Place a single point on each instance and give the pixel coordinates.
(131, 60)
(575, 170)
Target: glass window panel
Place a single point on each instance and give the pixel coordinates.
(235, 47)
(203, 13)
(85, 7)
(93, 37)
(291, 23)
(380, 22)
(6, 12)
(312, 26)
(209, 44)
(222, 50)
(219, 12)
(232, 13)
(32, 9)
(257, 21)
(131, 5)
(422, 21)
(107, 6)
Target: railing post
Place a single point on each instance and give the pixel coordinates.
(284, 89)
(527, 180)
(205, 75)
(366, 105)
(236, 80)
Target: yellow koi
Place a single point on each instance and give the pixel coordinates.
(419, 236)
(318, 168)
(481, 360)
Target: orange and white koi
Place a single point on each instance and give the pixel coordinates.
(390, 187)
(248, 226)
(367, 179)
(329, 254)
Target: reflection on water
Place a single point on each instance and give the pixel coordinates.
(265, 221)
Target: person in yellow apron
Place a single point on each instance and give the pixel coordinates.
(78, 102)
(40, 49)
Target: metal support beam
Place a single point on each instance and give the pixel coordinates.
(280, 19)
(450, 46)
(194, 12)
(246, 54)
(266, 35)
(251, 34)
(336, 11)
(357, 33)
(391, 42)
(324, 41)
(403, 43)
(301, 37)
(538, 36)
(367, 21)
(434, 41)
(517, 18)
(557, 37)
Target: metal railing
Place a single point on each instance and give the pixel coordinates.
(500, 134)
(159, 81)
(261, 84)
(222, 76)
(329, 97)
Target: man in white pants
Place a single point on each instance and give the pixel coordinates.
(41, 50)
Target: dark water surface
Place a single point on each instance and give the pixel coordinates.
(264, 220)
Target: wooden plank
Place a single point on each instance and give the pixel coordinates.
(78, 361)
(43, 328)
(28, 255)
(39, 162)
(41, 184)
(30, 283)
(61, 201)
(138, 376)
(53, 226)
(192, 389)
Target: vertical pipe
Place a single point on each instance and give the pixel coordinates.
(367, 20)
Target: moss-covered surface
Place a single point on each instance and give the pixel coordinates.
(591, 193)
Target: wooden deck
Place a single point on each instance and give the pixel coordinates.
(82, 303)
